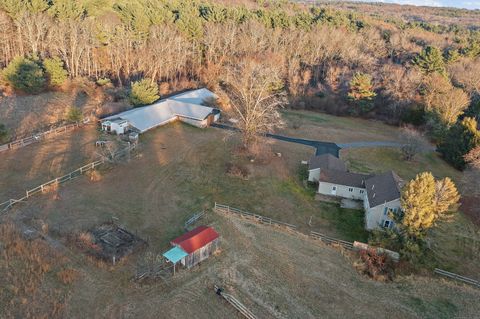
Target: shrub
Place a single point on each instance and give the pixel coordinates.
(74, 114)
(25, 75)
(3, 133)
(376, 266)
(56, 74)
(143, 92)
(104, 82)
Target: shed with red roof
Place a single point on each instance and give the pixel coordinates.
(198, 243)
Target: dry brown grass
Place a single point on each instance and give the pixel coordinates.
(68, 275)
(24, 266)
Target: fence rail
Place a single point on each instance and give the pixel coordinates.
(257, 218)
(193, 219)
(62, 179)
(234, 302)
(40, 136)
(330, 240)
(452, 275)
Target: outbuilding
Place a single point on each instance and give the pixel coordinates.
(193, 247)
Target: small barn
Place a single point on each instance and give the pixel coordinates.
(193, 247)
(117, 126)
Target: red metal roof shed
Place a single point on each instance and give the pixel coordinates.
(195, 239)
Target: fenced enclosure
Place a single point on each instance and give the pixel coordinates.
(457, 277)
(41, 136)
(45, 187)
(255, 217)
(234, 302)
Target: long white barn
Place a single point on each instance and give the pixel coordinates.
(187, 107)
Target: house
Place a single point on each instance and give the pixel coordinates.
(383, 194)
(380, 193)
(187, 107)
(323, 162)
(193, 247)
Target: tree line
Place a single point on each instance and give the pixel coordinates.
(334, 60)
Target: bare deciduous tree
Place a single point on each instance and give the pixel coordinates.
(255, 98)
(413, 143)
(473, 157)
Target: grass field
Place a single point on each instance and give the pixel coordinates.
(180, 170)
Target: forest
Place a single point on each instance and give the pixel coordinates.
(335, 60)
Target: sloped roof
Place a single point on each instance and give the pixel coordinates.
(195, 96)
(383, 188)
(186, 105)
(326, 161)
(175, 254)
(343, 178)
(196, 239)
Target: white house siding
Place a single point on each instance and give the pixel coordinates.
(193, 122)
(341, 191)
(314, 175)
(375, 216)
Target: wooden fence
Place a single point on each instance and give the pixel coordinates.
(62, 179)
(41, 136)
(234, 302)
(255, 217)
(331, 241)
(193, 219)
(457, 277)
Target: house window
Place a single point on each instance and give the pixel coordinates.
(385, 211)
(334, 188)
(350, 190)
(386, 224)
(362, 191)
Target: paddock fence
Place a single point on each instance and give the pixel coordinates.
(258, 218)
(235, 303)
(41, 136)
(45, 187)
(331, 241)
(193, 219)
(457, 277)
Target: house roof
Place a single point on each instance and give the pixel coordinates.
(383, 188)
(187, 105)
(196, 239)
(343, 178)
(175, 254)
(326, 161)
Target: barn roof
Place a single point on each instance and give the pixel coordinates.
(196, 239)
(187, 105)
(175, 254)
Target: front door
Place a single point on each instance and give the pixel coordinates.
(334, 190)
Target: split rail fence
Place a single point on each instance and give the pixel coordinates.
(40, 136)
(193, 219)
(452, 275)
(255, 217)
(235, 303)
(62, 179)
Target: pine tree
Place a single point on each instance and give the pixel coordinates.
(460, 140)
(143, 92)
(25, 75)
(430, 61)
(361, 91)
(56, 74)
(446, 196)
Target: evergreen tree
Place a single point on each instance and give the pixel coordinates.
(143, 92)
(361, 91)
(430, 61)
(25, 75)
(460, 140)
(56, 74)
(3, 133)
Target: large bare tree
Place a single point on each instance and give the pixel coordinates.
(255, 97)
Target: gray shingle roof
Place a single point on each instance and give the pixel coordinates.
(383, 188)
(343, 178)
(326, 161)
